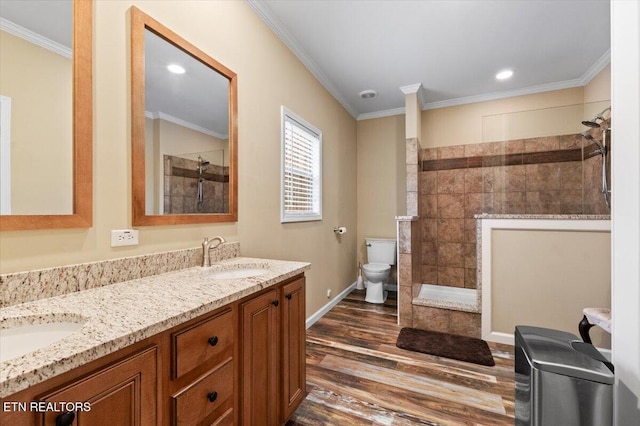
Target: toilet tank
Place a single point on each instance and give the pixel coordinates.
(381, 250)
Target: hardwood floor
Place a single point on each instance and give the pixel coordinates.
(357, 376)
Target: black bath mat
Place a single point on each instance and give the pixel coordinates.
(445, 345)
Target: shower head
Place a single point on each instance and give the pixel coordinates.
(202, 162)
(589, 137)
(595, 122)
(590, 123)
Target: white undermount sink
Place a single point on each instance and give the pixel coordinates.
(236, 273)
(25, 338)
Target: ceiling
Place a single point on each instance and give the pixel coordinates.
(453, 48)
(50, 19)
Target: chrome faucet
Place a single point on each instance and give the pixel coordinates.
(207, 245)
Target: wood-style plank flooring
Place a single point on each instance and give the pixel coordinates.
(357, 376)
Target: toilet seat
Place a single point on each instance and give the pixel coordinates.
(376, 267)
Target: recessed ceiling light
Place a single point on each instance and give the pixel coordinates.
(504, 74)
(368, 94)
(176, 69)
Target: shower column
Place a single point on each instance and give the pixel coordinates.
(409, 228)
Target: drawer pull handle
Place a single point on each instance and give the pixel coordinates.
(212, 396)
(65, 419)
(288, 296)
(213, 340)
(275, 303)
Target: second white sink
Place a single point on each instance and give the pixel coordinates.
(23, 339)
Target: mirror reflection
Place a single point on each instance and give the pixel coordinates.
(186, 132)
(36, 108)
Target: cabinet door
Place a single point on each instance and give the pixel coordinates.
(260, 343)
(294, 347)
(121, 394)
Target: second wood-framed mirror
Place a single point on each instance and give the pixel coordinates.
(183, 130)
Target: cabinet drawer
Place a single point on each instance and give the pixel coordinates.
(224, 420)
(209, 341)
(207, 400)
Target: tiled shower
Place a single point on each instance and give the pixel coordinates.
(544, 175)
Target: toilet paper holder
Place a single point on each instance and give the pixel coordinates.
(340, 230)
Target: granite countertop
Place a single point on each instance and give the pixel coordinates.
(121, 314)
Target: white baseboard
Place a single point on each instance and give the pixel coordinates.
(509, 339)
(498, 337)
(326, 308)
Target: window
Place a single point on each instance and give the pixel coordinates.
(301, 170)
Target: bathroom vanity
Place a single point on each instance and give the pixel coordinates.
(190, 347)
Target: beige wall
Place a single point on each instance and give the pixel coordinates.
(381, 178)
(41, 135)
(545, 279)
(462, 124)
(599, 88)
(269, 76)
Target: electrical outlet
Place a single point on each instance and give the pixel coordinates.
(329, 293)
(124, 237)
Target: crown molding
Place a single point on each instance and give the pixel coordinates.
(596, 68)
(411, 88)
(183, 123)
(414, 88)
(568, 84)
(380, 114)
(263, 11)
(35, 38)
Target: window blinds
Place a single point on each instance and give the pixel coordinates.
(301, 179)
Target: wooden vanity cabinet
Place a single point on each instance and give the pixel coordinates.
(122, 389)
(120, 394)
(273, 354)
(243, 363)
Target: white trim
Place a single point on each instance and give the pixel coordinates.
(625, 209)
(292, 117)
(35, 38)
(499, 337)
(5, 155)
(264, 12)
(184, 123)
(326, 308)
(488, 226)
(410, 88)
(597, 66)
(507, 94)
(414, 88)
(379, 114)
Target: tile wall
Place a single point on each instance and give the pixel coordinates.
(549, 175)
(181, 187)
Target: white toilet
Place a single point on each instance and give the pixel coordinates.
(381, 254)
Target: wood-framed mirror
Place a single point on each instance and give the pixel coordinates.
(183, 130)
(47, 114)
